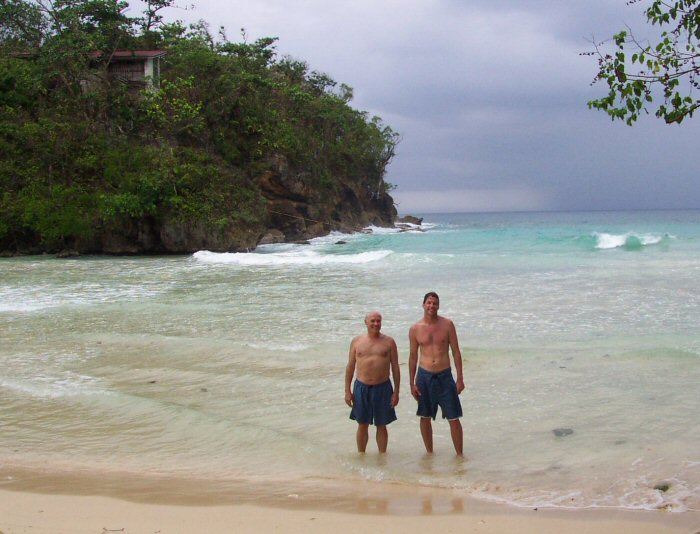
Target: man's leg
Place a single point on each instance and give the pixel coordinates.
(382, 438)
(426, 431)
(456, 432)
(362, 436)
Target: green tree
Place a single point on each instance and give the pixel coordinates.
(83, 156)
(153, 17)
(22, 26)
(638, 74)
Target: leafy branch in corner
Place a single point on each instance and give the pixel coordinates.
(638, 74)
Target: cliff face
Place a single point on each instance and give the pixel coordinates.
(152, 236)
(299, 212)
(293, 211)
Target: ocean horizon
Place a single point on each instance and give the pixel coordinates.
(224, 371)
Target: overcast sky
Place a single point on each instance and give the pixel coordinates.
(489, 98)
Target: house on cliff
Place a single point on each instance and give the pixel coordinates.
(138, 69)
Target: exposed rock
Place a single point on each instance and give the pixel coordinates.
(663, 487)
(410, 219)
(68, 253)
(300, 209)
(173, 237)
(183, 237)
(403, 227)
(561, 432)
(272, 237)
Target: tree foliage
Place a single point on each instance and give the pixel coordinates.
(640, 73)
(81, 153)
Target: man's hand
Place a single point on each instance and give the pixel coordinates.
(460, 386)
(349, 399)
(394, 399)
(415, 391)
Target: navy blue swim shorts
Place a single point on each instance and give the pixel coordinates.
(438, 389)
(373, 403)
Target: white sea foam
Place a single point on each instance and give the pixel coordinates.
(46, 387)
(382, 230)
(334, 237)
(296, 256)
(20, 307)
(36, 299)
(292, 347)
(628, 240)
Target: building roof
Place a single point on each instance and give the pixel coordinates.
(138, 53)
(131, 54)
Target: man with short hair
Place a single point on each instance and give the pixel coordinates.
(372, 398)
(432, 383)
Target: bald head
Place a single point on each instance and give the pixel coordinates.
(372, 314)
(373, 322)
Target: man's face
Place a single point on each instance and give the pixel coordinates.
(374, 322)
(431, 305)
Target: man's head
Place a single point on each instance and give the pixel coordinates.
(373, 320)
(431, 294)
(431, 303)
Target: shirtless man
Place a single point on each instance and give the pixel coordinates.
(433, 385)
(372, 398)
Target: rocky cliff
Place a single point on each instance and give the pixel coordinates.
(299, 212)
(291, 211)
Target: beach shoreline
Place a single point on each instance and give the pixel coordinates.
(41, 513)
(43, 502)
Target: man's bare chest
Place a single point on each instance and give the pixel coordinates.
(432, 336)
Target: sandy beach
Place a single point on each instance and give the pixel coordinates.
(23, 512)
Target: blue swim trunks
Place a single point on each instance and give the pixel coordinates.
(373, 403)
(438, 389)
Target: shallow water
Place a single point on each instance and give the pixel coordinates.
(229, 367)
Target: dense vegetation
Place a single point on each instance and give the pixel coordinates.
(79, 158)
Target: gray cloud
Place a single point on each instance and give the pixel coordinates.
(489, 97)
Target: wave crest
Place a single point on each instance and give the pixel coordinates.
(294, 257)
(628, 241)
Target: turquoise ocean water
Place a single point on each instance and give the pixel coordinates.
(228, 368)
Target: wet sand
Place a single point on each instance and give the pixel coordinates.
(41, 513)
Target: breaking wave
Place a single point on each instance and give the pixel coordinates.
(629, 240)
(296, 256)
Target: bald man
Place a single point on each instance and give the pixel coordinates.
(372, 398)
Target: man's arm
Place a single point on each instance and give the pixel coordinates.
(349, 373)
(413, 361)
(456, 355)
(395, 372)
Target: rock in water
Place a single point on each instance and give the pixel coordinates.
(410, 219)
(561, 432)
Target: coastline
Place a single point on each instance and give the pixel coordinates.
(22, 512)
(61, 503)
